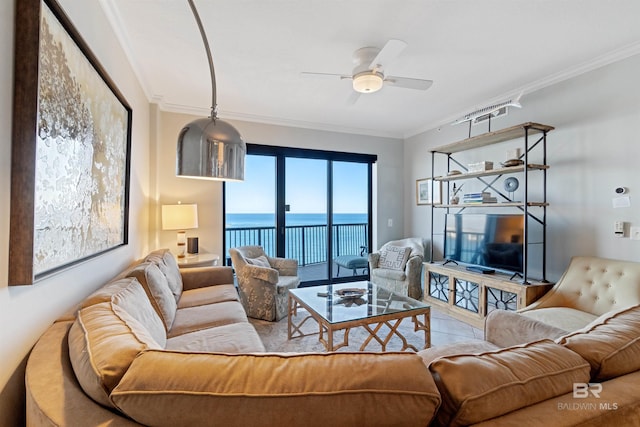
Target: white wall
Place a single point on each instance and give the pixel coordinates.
(26, 311)
(594, 148)
(388, 200)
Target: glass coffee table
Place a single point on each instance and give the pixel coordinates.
(357, 304)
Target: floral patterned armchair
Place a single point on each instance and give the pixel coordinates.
(263, 281)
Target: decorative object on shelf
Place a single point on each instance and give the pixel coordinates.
(423, 192)
(480, 166)
(180, 217)
(512, 162)
(71, 138)
(511, 184)
(454, 196)
(479, 198)
(513, 153)
(210, 148)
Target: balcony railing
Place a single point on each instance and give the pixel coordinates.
(306, 243)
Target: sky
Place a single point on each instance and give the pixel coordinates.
(305, 187)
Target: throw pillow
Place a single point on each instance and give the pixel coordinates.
(157, 288)
(394, 257)
(260, 261)
(611, 343)
(478, 387)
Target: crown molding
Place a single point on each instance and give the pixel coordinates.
(231, 115)
(583, 68)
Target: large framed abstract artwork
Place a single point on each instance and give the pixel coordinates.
(70, 149)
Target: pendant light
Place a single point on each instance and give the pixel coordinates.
(210, 148)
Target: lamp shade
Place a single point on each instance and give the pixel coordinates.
(179, 217)
(210, 148)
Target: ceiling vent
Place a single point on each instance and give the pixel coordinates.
(497, 113)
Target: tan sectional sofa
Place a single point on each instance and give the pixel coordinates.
(167, 347)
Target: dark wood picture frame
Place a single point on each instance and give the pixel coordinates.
(27, 128)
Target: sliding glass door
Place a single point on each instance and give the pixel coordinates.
(250, 207)
(310, 205)
(306, 216)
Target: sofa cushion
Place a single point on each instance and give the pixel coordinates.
(134, 301)
(192, 319)
(477, 387)
(155, 284)
(105, 293)
(506, 328)
(389, 274)
(565, 318)
(611, 343)
(208, 295)
(394, 257)
(103, 341)
(466, 347)
(165, 261)
(233, 338)
(365, 389)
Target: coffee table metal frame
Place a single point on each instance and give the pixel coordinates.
(372, 324)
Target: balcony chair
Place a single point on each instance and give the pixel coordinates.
(263, 281)
(397, 266)
(353, 262)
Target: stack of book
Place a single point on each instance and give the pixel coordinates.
(484, 197)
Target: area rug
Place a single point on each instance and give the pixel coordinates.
(443, 330)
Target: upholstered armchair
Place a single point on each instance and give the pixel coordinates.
(263, 281)
(397, 266)
(590, 287)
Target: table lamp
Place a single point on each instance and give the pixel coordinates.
(180, 217)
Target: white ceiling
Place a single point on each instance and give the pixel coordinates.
(476, 52)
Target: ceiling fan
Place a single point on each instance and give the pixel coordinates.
(368, 74)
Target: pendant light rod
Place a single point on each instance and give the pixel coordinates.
(214, 105)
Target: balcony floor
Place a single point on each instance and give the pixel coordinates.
(319, 271)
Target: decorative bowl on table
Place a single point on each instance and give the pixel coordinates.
(351, 292)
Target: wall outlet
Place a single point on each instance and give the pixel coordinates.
(390, 222)
(634, 233)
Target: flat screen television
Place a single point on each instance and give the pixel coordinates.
(493, 241)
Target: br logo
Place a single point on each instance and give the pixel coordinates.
(582, 390)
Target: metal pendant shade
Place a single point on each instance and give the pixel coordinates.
(210, 148)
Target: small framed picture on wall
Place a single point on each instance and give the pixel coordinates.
(424, 194)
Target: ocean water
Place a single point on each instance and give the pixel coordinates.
(306, 235)
(269, 220)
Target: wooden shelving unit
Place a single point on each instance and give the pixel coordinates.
(469, 295)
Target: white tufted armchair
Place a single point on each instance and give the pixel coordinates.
(589, 288)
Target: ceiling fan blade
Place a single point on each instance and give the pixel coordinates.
(353, 98)
(409, 83)
(388, 53)
(325, 75)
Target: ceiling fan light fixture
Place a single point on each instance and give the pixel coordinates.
(367, 82)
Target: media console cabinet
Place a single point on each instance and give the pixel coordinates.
(470, 296)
